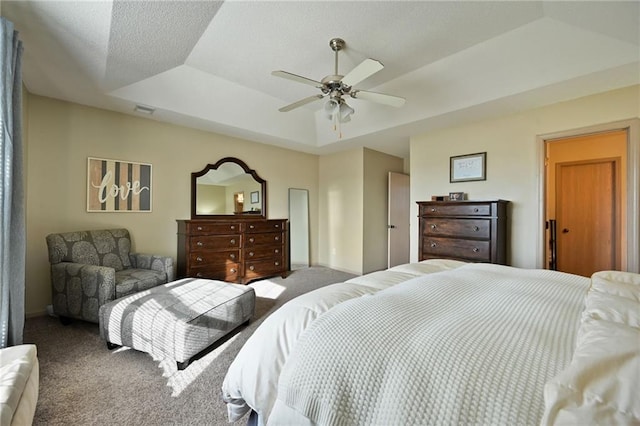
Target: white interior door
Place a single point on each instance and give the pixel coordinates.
(398, 225)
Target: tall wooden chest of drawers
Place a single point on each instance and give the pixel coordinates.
(236, 251)
(471, 231)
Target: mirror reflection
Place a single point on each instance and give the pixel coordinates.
(228, 187)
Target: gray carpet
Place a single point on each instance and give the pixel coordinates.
(83, 383)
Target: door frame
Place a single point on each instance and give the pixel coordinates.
(632, 127)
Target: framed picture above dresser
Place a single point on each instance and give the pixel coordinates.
(471, 231)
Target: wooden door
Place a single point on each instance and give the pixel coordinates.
(588, 238)
(398, 225)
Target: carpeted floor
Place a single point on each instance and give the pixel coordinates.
(83, 383)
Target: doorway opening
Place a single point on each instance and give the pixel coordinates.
(590, 183)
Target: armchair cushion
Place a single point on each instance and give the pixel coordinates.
(131, 280)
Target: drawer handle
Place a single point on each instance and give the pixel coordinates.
(199, 244)
(233, 270)
(276, 251)
(433, 209)
(434, 226)
(476, 210)
(233, 241)
(250, 254)
(475, 228)
(277, 225)
(252, 267)
(199, 259)
(251, 240)
(433, 245)
(199, 228)
(199, 274)
(251, 226)
(277, 238)
(476, 249)
(277, 263)
(232, 256)
(233, 227)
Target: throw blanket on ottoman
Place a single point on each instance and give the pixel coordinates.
(177, 320)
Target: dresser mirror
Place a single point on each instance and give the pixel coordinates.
(228, 188)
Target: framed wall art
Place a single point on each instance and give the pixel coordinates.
(255, 197)
(118, 186)
(466, 168)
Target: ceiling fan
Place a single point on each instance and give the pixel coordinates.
(335, 86)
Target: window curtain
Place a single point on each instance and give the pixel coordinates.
(12, 211)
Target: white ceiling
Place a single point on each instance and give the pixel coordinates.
(208, 64)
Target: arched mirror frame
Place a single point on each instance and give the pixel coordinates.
(243, 165)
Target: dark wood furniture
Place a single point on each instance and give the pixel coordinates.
(238, 251)
(471, 231)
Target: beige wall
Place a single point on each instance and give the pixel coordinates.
(60, 137)
(353, 209)
(341, 210)
(376, 207)
(514, 161)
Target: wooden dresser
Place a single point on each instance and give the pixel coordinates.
(471, 231)
(236, 251)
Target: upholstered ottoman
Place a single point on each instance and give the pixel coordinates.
(176, 320)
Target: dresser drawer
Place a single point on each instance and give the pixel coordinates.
(259, 252)
(457, 248)
(223, 272)
(214, 242)
(198, 258)
(259, 268)
(203, 228)
(270, 238)
(461, 228)
(455, 209)
(265, 226)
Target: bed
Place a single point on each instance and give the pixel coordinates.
(446, 342)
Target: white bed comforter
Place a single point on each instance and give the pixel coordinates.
(252, 379)
(474, 345)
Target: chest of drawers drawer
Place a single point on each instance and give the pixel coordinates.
(224, 272)
(258, 268)
(253, 253)
(461, 228)
(205, 228)
(435, 247)
(214, 242)
(201, 257)
(269, 238)
(456, 209)
(266, 226)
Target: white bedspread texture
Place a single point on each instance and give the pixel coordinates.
(471, 346)
(252, 379)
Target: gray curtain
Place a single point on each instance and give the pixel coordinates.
(12, 212)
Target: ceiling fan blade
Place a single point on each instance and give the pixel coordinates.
(380, 98)
(297, 78)
(366, 69)
(300, 103)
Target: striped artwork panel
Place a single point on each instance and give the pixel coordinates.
(118, 186)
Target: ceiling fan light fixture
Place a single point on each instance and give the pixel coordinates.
(345, 112)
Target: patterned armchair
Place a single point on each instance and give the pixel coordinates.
(91, 268)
